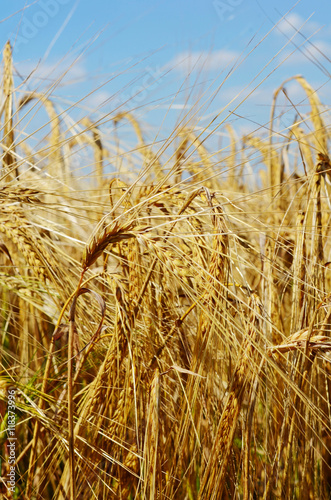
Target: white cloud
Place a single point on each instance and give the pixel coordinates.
(202, 61)
(98, 99)
(315, 52)
(175, 107)
(262, 95)
(44, 74)
(293, 22)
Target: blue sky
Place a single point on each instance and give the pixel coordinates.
(165, 59)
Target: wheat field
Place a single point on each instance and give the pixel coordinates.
(165, 323)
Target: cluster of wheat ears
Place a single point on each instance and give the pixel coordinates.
(168, 333)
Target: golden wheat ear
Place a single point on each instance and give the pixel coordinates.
(9, 163)
(105, 236)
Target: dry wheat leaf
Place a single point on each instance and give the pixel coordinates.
(182, 370)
